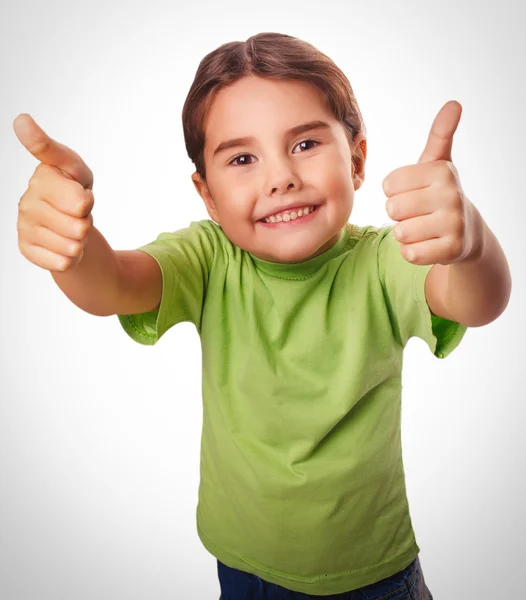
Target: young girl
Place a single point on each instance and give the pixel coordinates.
(302, 316)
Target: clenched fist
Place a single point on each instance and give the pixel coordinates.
(54, 213)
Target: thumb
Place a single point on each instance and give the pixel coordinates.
(440, 140)
(50, 152)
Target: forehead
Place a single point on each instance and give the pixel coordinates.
(255, 104)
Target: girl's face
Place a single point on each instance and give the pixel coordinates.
(269, 145)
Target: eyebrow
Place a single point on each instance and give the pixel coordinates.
(244, 141)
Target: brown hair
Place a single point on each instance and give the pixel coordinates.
(272, 55)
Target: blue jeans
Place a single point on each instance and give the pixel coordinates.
(407, 584)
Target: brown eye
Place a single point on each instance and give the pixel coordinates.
(232, 162)
(308, 142)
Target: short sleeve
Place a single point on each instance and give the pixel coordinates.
(403, 286)
(185, 258)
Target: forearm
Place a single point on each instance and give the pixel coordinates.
(94, 284)
(479, 288)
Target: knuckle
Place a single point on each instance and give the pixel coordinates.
(458, 224)
(25, 251)
(33, 181)
(23, 223)
(42, 145)
(75, 248)
(75, 260)
(64, 263)
(455, 249)
(22, 202)
(391, 209)
(77, 205)
(90, 199)
(455, 245)
(82, 228)
(82, 202)
(20, 229)
(26, 206)
(83, 206)
(40, 171)
(398, 232)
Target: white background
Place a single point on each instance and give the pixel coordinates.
(100, 436)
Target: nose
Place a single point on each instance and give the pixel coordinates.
(282, 179)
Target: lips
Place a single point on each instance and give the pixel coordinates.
(288, 210)
(290, 219)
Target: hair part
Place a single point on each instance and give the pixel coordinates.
(274, 56)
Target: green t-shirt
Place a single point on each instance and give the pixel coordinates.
(302, 481)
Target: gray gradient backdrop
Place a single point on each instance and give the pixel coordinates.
(99, 436)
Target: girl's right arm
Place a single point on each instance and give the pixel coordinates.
(107, 282)
(56, 232)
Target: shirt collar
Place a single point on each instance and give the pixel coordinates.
(303, 269)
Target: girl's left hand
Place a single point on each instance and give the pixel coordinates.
(437, 223)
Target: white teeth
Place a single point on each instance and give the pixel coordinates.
(289, 216)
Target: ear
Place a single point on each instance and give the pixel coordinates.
(359, 154)
(202, 189)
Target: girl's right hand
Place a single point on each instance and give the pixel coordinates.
(54, 213)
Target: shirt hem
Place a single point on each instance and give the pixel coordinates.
(322, 585)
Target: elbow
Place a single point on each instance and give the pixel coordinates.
(487, 317)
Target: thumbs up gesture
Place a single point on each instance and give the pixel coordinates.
(54, 213)
(436, 222)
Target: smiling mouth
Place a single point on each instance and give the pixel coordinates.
(289, 216)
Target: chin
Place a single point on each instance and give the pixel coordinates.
(295, 255)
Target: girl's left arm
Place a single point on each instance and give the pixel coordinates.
(470, 280)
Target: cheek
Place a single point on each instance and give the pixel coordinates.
(335, 177)
(234, 178)
(236, 211)
(238, 202)
(233, 197)
(334, 169)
